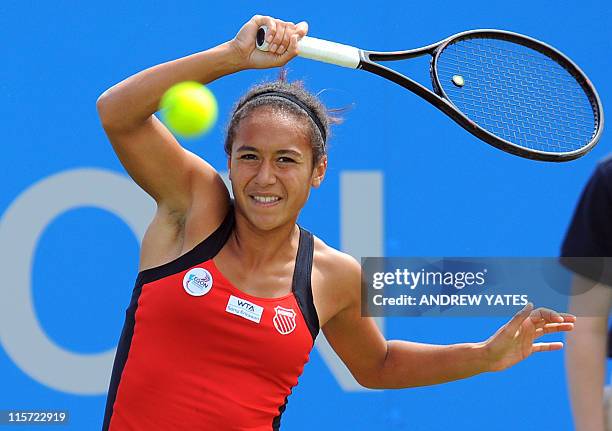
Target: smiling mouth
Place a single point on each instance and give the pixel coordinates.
(265, 200)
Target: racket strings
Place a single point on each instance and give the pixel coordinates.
(517, 94)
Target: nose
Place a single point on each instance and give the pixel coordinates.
(265, 175)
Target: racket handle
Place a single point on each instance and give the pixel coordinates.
(319, 50)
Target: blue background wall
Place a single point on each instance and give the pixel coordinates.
(445, 193)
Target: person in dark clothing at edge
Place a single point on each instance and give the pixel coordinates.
(589, 238)
(232, 293)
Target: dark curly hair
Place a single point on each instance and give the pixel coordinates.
(250, 102)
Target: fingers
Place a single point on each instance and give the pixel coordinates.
(568, 317)
(551, 328)
(542, 318)
(301, 29)
(269, 22)
(547, 347)
(279, 33)
(547, 315)
(276, 46)
(292, 51)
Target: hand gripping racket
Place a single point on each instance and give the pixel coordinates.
(513, 92)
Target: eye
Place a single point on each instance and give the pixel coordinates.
(286, 160)
(248, 157)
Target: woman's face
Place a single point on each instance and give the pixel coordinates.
(271, 167)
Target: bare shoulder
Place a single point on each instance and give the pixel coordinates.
(336, 281)
(335, 265)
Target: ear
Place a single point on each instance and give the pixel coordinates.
(229, 167)
(318, 173)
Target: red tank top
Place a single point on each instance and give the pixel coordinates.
(196, 353)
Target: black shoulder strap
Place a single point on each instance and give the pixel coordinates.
(301, 284)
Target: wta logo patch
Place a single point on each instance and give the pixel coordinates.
(197, 282)
(284, 320)
(243, 308)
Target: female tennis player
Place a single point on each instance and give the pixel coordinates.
(231, 293)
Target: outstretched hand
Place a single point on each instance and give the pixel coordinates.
(282, 38)
(514, 341)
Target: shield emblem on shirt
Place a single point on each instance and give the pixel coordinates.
(284, 320)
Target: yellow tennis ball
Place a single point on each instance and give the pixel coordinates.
(189, 109)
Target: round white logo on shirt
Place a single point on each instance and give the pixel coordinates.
(197, 282)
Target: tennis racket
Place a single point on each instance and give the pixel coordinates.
(511, 91)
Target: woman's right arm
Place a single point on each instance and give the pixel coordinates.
(145, 147)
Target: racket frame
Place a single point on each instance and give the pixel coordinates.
(348, 56)
(438, 98)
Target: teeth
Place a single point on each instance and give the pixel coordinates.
(266, 199)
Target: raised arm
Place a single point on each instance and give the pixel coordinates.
(147, 150)
(380, 364)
